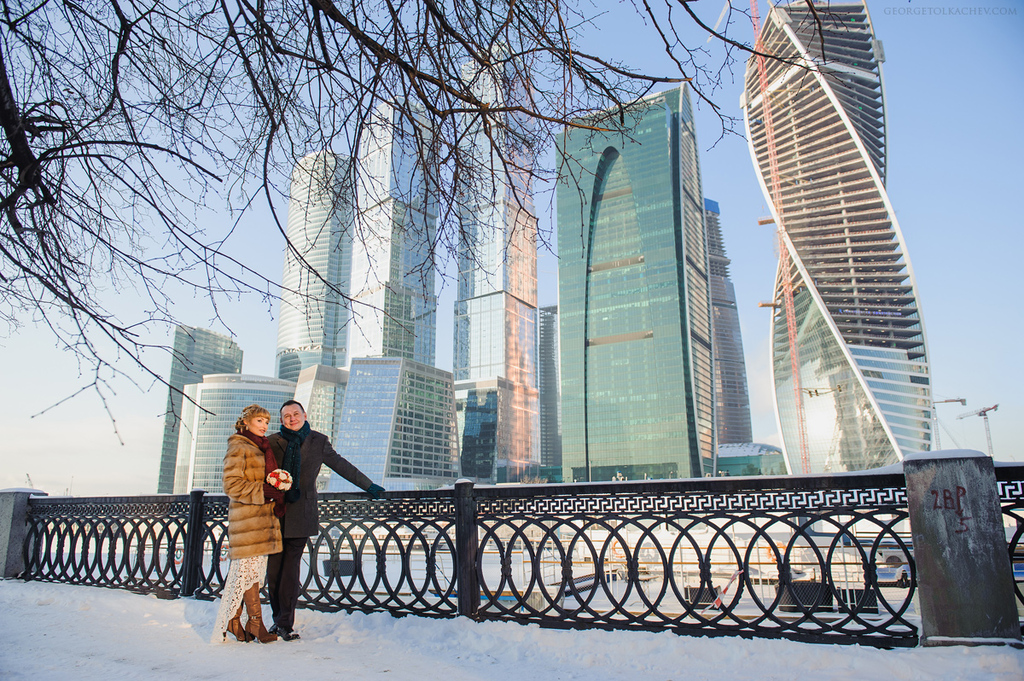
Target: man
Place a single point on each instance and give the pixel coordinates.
(301, 451)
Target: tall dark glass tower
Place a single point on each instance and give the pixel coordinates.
(549, 388)
(860, 396)
(634, 299)
(196, 352)
(732, 401)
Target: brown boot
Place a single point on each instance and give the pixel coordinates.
(235, 627)
(255, 625)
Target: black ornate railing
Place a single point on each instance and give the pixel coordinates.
(825, 558)
(1010, 480)
(134, 543)
(804, 558)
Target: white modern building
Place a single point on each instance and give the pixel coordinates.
(208, 419)
(358, 273)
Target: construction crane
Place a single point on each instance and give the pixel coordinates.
(962, 401)
(983, 413)
(785, 266)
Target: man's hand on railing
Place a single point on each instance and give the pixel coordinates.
(374, 491)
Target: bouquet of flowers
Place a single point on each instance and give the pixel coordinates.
(280, 478)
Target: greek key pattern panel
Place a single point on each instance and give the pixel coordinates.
(118, 507)
(1011, 491)
(816, 501)
(334, 508)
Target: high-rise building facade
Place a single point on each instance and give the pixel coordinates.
(398, 425)
(314, 320)
(394, 310)
(633, 298)
(496, 310)
(732, 401)
(860, 395)
(195, 352)
(208, 420)
(549, 388)
(358, 274)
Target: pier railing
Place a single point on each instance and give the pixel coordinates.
(811, 558)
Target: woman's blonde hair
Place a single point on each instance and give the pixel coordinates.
(249, 413)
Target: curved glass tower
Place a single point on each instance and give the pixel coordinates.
(634, 298)
(863, 382)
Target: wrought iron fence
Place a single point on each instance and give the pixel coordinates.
(133, 543)
(808, 558)
(1010, 480)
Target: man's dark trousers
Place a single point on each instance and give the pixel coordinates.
(283, 581)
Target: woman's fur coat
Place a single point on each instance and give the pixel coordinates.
(253, 530)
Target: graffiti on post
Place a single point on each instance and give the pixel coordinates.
(951, 500)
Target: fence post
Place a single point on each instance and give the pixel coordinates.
(13, 530)
(192, 559)
(965, 581)
(466, 549)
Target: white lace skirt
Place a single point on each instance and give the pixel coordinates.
(242, 574)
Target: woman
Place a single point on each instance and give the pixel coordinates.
(254, 530)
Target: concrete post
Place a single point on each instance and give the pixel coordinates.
(965, 582)
(13, 529)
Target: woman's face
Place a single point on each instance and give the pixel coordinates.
(258, 425)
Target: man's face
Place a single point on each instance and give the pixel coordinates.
(293, 417)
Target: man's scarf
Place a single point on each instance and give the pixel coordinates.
(293, 459)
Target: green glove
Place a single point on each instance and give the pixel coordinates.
(374, 491)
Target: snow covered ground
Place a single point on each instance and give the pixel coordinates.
(56, 631)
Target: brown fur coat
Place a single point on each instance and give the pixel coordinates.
(252, 528)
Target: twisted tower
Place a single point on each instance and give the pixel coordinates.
(862, 395)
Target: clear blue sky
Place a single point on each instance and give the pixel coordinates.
(954, 93)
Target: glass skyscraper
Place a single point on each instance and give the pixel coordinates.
(862, 394)
(634, 300)
(358, 274)
(495, 344)
(195, 352)
(394, 310)
(208, 419)
(732, 401)
(398, 425)
(549, 388)
(313, 324)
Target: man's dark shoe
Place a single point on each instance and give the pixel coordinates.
(288, 635)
